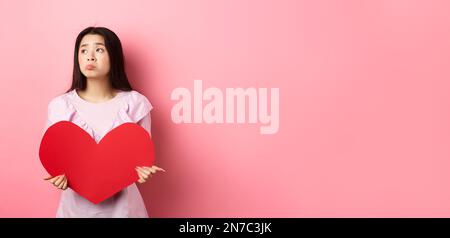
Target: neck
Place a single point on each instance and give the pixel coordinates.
(98, 89)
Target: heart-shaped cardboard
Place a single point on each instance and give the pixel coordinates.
(96, 171)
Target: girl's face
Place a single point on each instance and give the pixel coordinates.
(93, 57)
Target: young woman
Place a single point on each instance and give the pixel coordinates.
(100, 99)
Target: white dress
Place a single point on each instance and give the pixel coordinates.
(98, 119)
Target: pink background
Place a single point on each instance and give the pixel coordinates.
(364, 103)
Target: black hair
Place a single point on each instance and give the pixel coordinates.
(117, 75)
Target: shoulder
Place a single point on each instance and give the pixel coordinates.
(137, 97)
(59, 102)
(59, 108)
(137, 105)
(138, 100)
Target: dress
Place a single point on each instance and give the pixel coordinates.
(97, 119)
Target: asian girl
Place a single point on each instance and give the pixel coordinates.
(100, 99)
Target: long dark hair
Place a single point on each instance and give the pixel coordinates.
(117, 75)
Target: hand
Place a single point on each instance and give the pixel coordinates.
(145, 172)
(59, 181)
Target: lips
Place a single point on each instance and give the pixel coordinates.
(90, 67)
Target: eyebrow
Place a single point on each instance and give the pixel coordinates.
(97, 43)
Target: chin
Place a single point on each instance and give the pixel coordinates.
(91, 75)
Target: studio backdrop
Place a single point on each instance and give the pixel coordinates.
(262, 108)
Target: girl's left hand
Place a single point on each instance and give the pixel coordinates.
(145, 172)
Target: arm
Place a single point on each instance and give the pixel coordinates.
(146, 123)
(59, 181)
(146, 172)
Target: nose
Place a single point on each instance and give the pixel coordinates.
(90, 58)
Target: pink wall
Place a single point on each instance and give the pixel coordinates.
(364, 103)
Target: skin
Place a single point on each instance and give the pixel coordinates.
(95, 65)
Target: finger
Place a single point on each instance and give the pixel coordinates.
(141, 179)
(65, 185)
(139, 174)
(150, 169)
(49, 177)
(142, 175)
(59, 180)
(61, 185)
(52, 180)
(158, 168)
(146, 172)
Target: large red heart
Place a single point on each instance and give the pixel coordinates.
(96, 171)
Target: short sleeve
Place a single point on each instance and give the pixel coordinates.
(146, 123)
(138, 106)
(57, 110)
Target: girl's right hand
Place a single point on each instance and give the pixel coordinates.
(59, 181)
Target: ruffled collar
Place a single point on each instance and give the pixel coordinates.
(74, 116)
(77, 97)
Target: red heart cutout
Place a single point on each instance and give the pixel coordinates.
(96, 171)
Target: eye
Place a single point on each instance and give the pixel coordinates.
(83, 51)
(100, 50)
